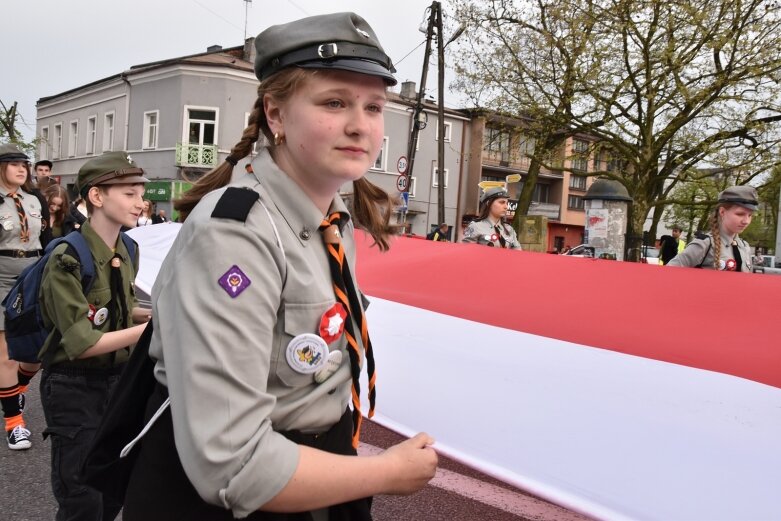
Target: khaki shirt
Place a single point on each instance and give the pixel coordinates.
(700, 252)
(483, 232)
(65, 308)
(10, 225)
(223, 355)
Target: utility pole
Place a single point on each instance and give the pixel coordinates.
(440, 117)
(246, 7)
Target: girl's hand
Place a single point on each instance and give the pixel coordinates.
(411, 464)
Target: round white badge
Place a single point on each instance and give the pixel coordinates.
(307, 353)
(332, 363)
(8, 225)
(100, 316)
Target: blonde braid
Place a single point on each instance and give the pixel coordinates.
(716, 236)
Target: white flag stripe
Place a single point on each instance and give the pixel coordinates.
(607, 434)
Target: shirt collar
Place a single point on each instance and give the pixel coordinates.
(300, 213)
(100, 250)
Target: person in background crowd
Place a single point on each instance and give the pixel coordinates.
(723, 249)
(147, 217)
(43, 174)
(670, 246)
(61, 222)
(91, 334)
(78, 211)
(260, 424)
(490, 229)
(439, 233)
(566, 250)
(21, 225)
(159, 217)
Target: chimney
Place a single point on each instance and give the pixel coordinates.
(249, 50)
(408, 90)
(214, 48)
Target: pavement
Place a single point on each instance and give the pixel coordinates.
(457, 493)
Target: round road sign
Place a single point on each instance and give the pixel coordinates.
(402, 164)
(401, 183)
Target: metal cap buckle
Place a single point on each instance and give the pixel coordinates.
(327, 50)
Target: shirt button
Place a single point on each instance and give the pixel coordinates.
(305, 234)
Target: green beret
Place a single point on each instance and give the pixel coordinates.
(342, 41)
(110, 168)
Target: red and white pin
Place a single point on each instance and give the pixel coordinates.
(332, 323)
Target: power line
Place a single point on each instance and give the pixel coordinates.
(407, 55)
(218, 15)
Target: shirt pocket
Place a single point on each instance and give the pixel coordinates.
(298, 319)
(99, 299)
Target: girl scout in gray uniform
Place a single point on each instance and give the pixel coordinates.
(256, 343)
(21, 223)
(723, 249)
(489, 229)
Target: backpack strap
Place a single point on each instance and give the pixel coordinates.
(78, 244)
(710, 242)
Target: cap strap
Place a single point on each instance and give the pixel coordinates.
(739, 201)
(328, 51)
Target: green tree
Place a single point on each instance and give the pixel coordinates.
(663, 85)
(9, 132)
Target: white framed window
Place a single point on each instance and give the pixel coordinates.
(435, 178)
(412, 185)
(575, 202)
(73, 138)
(108, 131)
(151, 119)
(57, 144)
(261, 138)
(44, 149)
(577, 182)
(200, 125)
(448, 132)
(381, 163)
(92, 132)
(579, 146)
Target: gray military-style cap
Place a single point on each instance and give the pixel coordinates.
(342, 41)
(745, 196)
(10, 154)
(494, 193)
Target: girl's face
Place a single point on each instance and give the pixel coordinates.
(735, 219)
(333, 127)
(498, 208)
(15, 174)
(55, 204)
(147, 206)
(121, 203)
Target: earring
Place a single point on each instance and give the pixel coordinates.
(278, 139)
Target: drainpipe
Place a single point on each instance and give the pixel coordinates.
(127, 110)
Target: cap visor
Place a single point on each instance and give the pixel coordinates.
(126, 180)
(352, 65)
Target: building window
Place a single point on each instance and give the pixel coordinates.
(73, 138)
(201, 126)
(579, 146)
(150, 129)
(541, 193)
(92, 130)
(435, 177)
(497, 141)
(261, 138)
(577, 182)
(108, 132)
(580, 164)
(57, 145)
(382, 159)
(44, 152)
(412, 185)
(575, 202)
(448, 132)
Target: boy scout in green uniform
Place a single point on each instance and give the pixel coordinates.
(91, 334)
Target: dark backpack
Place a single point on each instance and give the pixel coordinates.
(25, 332)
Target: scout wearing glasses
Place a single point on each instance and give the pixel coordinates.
(91, 333)
(21, 225)
(723, 249)
(489, 229)
(258, 336)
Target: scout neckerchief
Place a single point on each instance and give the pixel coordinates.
(502, 241)
(738, 257)
(344, 290)
(24, 235)
(117, 313)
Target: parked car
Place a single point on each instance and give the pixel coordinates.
(769, 265)
(651, 256)
(583, 250)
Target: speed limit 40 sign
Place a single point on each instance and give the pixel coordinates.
(402, 182)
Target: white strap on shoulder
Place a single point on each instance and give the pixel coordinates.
(126, 450)
(276, 231)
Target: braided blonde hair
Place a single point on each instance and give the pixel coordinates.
(715, 231)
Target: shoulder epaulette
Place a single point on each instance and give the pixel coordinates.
(235, 203)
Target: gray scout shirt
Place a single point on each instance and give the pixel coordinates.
(223, 353)
(484, 232)
(700, 252)
(10, 225)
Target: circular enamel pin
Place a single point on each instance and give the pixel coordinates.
(332, 323)
(91, 313)
(8, 225)
(100, 316)
(332, 363)
(307, 353)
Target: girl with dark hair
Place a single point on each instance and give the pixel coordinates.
(61, 222)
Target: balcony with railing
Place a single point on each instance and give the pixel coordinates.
(204, 156)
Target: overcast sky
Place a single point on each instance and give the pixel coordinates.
(51, 46)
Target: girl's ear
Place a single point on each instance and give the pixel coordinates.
(273, 112)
